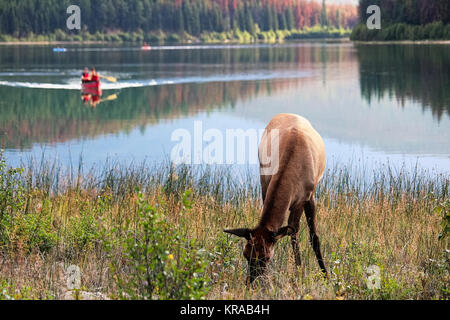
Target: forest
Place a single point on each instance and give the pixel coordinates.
(405, 20)
(29, 18)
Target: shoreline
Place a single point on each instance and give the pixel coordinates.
(161, 37)
(42, 43)
(447, 42)
(344, 39)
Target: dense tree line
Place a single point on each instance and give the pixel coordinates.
(22, 17)
(412, 12)
(406, 20)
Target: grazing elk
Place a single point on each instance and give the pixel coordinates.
(297, 160)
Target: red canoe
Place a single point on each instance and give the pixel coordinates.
(90, 85)
(92, 92)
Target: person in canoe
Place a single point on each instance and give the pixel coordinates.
(85, 75)
(94, 75)
(91, 81)
(89, 77)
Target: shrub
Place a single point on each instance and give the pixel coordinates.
(114, 38)
(411, 33)
(12, 195)
(6, 38)
(162, 263)
(82, 233)
(401, 31)
(137, 36)
(77, 37)
(12, 199)
(32, 231)
(447, 32)
(437, 30)
(359, 33)
(173, 38)
(10, 292)
(20, 229)
(98, 36)
(156, 37)
(126, 37)
(60, 35)
(443, 209)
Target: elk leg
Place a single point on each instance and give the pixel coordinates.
(310, 213)
(264, 185)
(296, 249)
(294, 223)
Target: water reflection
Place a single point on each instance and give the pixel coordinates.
(93, 98)
(374, 101)
(49, 116)
(420, 73)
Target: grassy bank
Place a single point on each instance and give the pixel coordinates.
(401, 32)
(147, 231)
(234, 36)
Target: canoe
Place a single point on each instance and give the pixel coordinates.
(146, 48)
(59, 49)
(92, 92)
(90, 85)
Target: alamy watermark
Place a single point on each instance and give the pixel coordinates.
(73, 273)
(236, 146)
(373, 280)
(374, 21)
(74, 20)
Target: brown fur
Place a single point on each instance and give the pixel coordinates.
(289, 189)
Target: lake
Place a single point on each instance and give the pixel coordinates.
(372, 104)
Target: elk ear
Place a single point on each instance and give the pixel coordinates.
(243, 232)
(282, 232)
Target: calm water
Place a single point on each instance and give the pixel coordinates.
(371, 104)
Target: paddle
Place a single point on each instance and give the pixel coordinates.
(111, 79)
(109, 98)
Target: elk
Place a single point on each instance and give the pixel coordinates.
(299, 155)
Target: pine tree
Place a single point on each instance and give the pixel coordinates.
(323, 14)
(289, 19)
(250, 23)
(21, 17)
(338, 18)
(179, 20)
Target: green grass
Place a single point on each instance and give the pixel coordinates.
(101, 221)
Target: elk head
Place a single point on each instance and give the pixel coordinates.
(260, 247)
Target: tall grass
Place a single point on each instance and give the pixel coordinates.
(85, 217)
